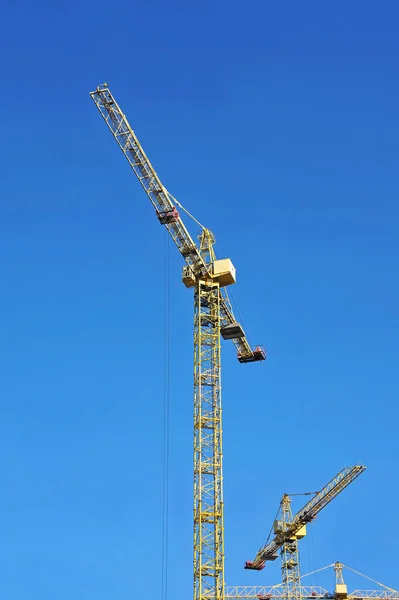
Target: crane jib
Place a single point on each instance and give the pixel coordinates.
(146, 175)
(167, 213)
(305, 515)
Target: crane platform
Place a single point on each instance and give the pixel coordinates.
(257, 354)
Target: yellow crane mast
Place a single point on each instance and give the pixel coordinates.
(213, 317)
(288, 529)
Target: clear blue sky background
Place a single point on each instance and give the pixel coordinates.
(277, 124)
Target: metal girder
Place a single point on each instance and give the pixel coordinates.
(307, 593)
(208, 498)
(274, 591)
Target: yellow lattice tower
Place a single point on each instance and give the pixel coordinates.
(213, 318)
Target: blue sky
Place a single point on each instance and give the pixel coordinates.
(277, 125)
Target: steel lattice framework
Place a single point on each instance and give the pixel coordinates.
(289, 554)
(314, 592)
(307, 513)
(208, 479)
(279, 592)
(288, 529)
(213, 317)
(162, 202)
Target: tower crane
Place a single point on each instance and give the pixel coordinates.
(341, 589)
(213, 318)
(288, 529)
(316, 592)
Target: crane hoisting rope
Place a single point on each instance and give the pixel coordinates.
(166, 421)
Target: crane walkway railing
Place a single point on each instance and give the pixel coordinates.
(277, 592)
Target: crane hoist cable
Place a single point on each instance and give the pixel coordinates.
(166, 427)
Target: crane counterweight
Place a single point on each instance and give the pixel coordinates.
(223, 271)
(231, 331)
